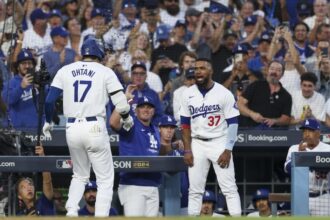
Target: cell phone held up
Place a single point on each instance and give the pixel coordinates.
(324, 52)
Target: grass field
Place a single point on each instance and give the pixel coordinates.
(165, 218)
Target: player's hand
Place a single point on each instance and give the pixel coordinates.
(188, 158)
(302, 146)
(224, 159)
(46, 130)
(127, 123)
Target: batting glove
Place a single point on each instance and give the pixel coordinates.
(46, 130)
(127, 123)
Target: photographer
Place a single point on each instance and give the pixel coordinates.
(18, 93)
(25, 189)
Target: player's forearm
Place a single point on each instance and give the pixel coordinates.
(186, 138)
(115, 121)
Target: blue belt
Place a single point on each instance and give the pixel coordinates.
(72, 120)
(317, 194)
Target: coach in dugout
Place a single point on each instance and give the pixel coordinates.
(318, 179)
(138, 192)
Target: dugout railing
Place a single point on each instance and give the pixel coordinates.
(62, 164)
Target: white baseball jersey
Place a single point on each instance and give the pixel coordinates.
(208, 113)
(81, 84)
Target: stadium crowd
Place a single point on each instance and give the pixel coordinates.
(273, 55)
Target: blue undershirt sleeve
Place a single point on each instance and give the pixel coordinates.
(52, 96)
(232, 132)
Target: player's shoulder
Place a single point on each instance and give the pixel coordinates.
(323, 146)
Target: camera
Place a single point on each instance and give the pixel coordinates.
(41, 77)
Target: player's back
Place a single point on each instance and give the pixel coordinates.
(86, 86)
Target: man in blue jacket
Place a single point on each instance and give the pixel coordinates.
(18, 94)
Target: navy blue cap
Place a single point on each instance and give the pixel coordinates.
(151, 4)
(38, 14)
(251, 20)
(229, 33)
(162, 32)
(190, 73)
(260, 194)
(240, 49)
(145, 100)
(180, 22)
(25, 54)
(311, 124)
(97, 12)
(167, 120)
(247, 46)
(128, 3)
(304, 8)
(217, 7)
(139, 64)
(55, 12)
(59, 31)
(265, 36)
(209, 196)
(90, 185)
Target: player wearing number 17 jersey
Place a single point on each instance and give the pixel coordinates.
(86, 86)
(209, 119)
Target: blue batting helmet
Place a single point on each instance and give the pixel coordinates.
(91, 47)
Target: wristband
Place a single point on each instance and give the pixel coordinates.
(187, 151)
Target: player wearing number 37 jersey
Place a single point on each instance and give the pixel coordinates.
(86, 86)
(209, 130)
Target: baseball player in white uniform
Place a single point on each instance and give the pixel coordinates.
(86, 86)
(319, 196)
(209, 119)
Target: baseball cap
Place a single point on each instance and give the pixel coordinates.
(38, 14)
(209, 196)
(167, 120)
(260, 194)
(229, 33)
(265, 36)
(162, 32)
(90, 185)
(180, 22)
(97, 12)
(145, 100)
(240, 49)
(151, 4)
(304, 8)
(251, 20)
(139, 64)
(190, 73)
(23, 55)
(59, 31)
(193, 12)
(311, 124)
(128, 3)
(217, 7)
(55, 13)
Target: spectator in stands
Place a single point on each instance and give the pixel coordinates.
(18, 94)
(55, 18)
(321, 51)
(323, 82)
(253, 26)
(25, 189)
(73, 26)
(138, 192)
(90, 199)
(37, 37)
(261, 203)
(126, 12)
(322, 33)
(247, 9)
(171, 12)
(86, 19)
(275, 11)
(179, 32)
(240, 76)
(58, 55)
(318, 179)
(71, 8)
(307, 103)
(172, 147)
(141, 88)
(300, 38)
(320, 15)
(166, 48)
(265, 103)
(191, 18)
(304, 10)
(59, 202)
